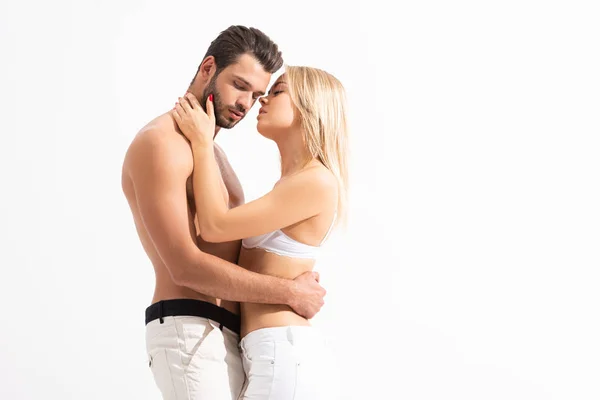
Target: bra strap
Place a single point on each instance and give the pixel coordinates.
(330, 228)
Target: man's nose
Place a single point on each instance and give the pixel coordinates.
(246, 101)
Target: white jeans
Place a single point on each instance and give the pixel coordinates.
(288, 363)
(192, 359)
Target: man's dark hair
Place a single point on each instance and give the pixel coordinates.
(237, 40)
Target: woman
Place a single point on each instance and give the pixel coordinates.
(304, 113)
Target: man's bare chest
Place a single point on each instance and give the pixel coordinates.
(231, 187)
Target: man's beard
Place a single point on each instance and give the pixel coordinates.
(221, 120)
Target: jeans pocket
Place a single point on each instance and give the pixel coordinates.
(260, 376)
(193, 331)
(271, 369)
(263, 351)
(203, 343)
(285, 372)
(161, 371)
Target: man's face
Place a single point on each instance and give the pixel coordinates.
(236, 89)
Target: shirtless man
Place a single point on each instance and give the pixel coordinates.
(193, 323)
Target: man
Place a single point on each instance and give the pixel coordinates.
(192, 325)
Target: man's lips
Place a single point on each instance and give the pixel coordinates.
(236, 114)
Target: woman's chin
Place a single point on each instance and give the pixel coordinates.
(262, 129)
(266, 136)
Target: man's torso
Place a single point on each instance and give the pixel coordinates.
(233, 194)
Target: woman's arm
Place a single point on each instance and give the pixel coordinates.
(292, 200)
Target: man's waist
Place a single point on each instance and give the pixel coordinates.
(193, 307)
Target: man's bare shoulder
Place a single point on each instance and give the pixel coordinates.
(158, 143)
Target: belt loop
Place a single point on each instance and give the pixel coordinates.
(160, 311)
(222, 318)
(290, 335)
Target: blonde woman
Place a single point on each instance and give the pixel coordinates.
(304, 113)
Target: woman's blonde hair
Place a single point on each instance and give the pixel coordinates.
(320, 99)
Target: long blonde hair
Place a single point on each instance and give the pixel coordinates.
(320, 99)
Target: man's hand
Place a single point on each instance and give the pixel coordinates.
(308, 295)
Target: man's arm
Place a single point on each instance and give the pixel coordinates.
(159, 169)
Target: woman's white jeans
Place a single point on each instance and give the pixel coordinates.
(288, 363)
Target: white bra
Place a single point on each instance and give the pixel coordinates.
(279, 243)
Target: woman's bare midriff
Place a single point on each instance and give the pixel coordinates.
(257, 316)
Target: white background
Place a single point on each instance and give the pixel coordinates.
(470, 266)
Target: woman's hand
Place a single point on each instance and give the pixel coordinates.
(198, 126)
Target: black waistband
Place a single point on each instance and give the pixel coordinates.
(195, 308)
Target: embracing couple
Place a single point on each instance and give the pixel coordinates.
(235, 289)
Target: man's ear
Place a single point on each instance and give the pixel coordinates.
(207, 69)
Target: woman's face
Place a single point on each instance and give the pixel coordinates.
(277, 113)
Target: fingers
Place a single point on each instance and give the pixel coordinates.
(180, 110)
(176, 115)
(316, 276)
(184, 102)
(210, 107)
(193, 100)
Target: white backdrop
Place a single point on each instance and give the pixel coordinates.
(470, 267)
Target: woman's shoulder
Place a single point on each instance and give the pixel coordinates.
(320, 174)
(314, 177)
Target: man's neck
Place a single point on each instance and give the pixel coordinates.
(197, 89)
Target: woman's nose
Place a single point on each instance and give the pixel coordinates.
(263, 100)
